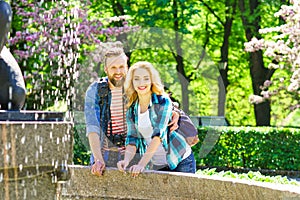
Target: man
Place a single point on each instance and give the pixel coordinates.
(106, 126)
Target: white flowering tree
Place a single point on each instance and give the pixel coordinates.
(282, 46)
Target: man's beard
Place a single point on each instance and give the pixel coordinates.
(117, 83)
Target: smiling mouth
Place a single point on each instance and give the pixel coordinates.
(142, 88)
(118, 76)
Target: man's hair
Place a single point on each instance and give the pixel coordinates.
(113, 49)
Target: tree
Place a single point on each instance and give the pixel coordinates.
(165, 15)
(259, 73)
(230, 9)
(49, 39)
(283, 50)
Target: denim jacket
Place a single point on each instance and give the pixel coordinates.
(97, 120)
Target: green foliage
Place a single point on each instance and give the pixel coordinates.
(293, 119)
(237, 147)
(60, 106)
(251, 175)
(255, 148)
(81, 148)
(199, 23)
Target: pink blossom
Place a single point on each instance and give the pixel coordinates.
(267, 83)
(255, 99)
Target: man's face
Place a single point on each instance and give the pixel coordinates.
(116, 70)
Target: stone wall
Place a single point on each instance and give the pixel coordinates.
(35, 143)
(33, 158)
(164, 185)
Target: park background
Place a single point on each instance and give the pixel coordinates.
(199, 47)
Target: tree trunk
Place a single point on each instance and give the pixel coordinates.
(184, 81)
(223, 82)
(259, 74)
(223, 65)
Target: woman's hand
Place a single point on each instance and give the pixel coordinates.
(122, 164)
(136, 170)
(151, 149)
(129, 154)
(98, 168)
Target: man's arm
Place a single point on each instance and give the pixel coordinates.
(94, 141)
(99, 165)
(91, 111)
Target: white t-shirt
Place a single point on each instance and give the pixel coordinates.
(146, 129)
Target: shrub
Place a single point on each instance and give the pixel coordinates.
(249, 147)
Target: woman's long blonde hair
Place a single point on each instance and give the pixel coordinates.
(156, 84)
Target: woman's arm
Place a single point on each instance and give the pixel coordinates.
(129, 154)
(151, 149)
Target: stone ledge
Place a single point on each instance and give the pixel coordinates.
(30, 115)
(167, 185)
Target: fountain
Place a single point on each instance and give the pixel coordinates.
(37, 156)
(36, 146)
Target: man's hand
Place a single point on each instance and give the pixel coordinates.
(98, 168)
(192, 140)
(174, 123)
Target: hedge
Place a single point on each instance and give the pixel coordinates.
(233, 147)
(81, 147)
(249, 147)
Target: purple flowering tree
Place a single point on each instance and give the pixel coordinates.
(51, 40)
(283, 50)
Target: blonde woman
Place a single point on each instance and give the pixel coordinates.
(149, 112)
(105, 110)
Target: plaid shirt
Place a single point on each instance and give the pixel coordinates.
(160, 111)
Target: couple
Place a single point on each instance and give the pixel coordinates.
(149, 128)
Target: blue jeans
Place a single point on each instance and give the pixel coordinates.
(188, 165)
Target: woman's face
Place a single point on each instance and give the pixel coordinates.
(141, 81)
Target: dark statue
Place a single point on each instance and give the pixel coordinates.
(12, 86)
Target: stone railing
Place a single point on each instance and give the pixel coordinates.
(167, 185)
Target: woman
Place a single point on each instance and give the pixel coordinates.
(149, 112)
